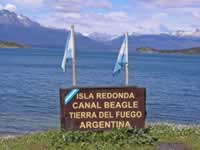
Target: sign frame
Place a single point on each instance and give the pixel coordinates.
(62, 105)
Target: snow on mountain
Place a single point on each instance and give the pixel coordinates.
(20, 29)
(102, 36)
(196, 33)
(182, 33)
(11, 18)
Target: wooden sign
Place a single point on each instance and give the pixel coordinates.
(102, 108)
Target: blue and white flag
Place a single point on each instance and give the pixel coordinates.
(122, 58)
(69, 48)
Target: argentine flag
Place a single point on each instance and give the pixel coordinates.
(69, 48)
(122, 58)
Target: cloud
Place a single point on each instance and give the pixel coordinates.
(116, 22)
(9, 7)
(196, 14)
(148, 16)
(103, 4)
(172, 3)
(78, 5)
(113, 22)
(144, 16)
(179, 14)
(164, 28)
(87, 15)
(28, 3)
(118, 15)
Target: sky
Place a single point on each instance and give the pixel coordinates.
(111, 16)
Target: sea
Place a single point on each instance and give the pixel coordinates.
(30, 80)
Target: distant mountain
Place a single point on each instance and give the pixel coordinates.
(18, 28)
(190, 51)
(157, 41)
(11, 18)
(102, 36)
(21, 29)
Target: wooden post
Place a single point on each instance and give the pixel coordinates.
(126, 65)
(73, 58)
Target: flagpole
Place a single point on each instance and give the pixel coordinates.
(126, 65)
(73, 59)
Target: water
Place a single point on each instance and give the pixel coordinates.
(30, 80)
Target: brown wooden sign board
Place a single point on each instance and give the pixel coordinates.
(102, 108)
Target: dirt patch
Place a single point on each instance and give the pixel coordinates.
(172, 146)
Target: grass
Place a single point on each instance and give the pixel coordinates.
(142, 139)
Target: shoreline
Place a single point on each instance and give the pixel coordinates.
(177, 126)
(11, 47)
(154, 136)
